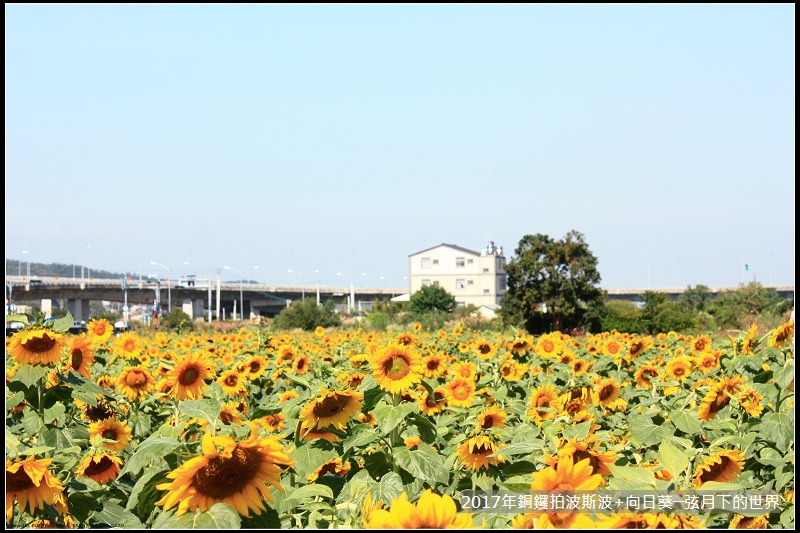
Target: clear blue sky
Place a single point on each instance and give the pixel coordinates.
(343, 138)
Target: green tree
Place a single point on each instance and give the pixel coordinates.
(431, 298)
(307, 315)
(552, 283)
(178, 320)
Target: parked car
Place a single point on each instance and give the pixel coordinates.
(13, 327)
(120, 327)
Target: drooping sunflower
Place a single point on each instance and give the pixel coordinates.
(430, 512)
(750, 400)
(135, 382)
(112, 429)
(713, 402)
(586, 449)
(475, 451)
(331, 408)
(236, 473)
(397, 368)
(229, 413)
(513, 371)
(36, 346)
(102, 467)
(782, 334)
(128, 345)
(740, 521)
(323, 434)
(606, 391)
(432, 405)
(332, 466)
(351, 379)
(30, 483)
(460, 392)
(750, 340)
(544, 404)
(80, 355)
(232, 382)
(723, 466)
(99, 331)
(566, 476)
(187, 380)
(638, 346)
(102, 410)
(494, 417)
(272, 423)
(644, 374)
(679, 368)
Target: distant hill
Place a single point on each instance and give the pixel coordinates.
(13, 267)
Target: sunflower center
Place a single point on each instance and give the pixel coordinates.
(563, 486)
(110, 434)
(481, 449)
(329, 406)
(231, 380)
(484, 349)
(488, 422)
(77, 359)
(561, 520)
(99, 412)
(98, 468)
(715, 471)
(461, 392)
(227, 418)
(135, 379)
(40, 344)
(606, 392)
(129, 345)
(396, 368)
(465, 372)
(18, 481)
(255, 366)
(679, 371)
(224, 477)
(189, 376)
(301, 364)
(720, 401)
(433, 365)
(580, 455)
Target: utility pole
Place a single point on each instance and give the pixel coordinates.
(219, 289)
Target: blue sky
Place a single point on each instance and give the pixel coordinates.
(343, 138)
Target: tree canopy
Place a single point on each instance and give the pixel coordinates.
(431, 298)
(552, 283)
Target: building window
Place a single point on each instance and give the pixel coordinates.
(459, 284)
(501, 284)
(485, 291)
(470, 282)
(435, 261)
(436, 282)
(426, 282)
(459, 262)
(485, 270)
(426, 262)
(469, 261)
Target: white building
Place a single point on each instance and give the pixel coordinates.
(477, 278)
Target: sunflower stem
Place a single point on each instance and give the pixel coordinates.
(40, 407)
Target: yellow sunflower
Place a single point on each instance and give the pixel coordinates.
(513, 371)
(232, 382)
(256, 366)
(713, 402)
(544, 404)
(520, 345)
(474, 453)
(644, 374)
(586, 449)
(236, 473)
(638, 346)
(114, 430)
(331, 408)
(430, 512)
(707, 361)
(351, 379)
(750, 400)
(494, 417)
(431, 406)
(128, 345)
(549, 346)
(723, 466)
(566, 476)
(286, 396)
(405, 338)
(464, 370)
(37, 346)
(321, 434)
(782, 334)
(460, 392)
(606, 391)
(332, 466)
(397, 368)
(101, 467)
(272, 423)
(135, 382)
(100, 330)
(679, 368)
(485, 350)
(81, 355)
(750, 341)
(187, 378)
(102, 410)
(434, 365)
(301, 364)
(30, 483)
(749, 522)
(412, 442)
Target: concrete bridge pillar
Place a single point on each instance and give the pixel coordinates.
(47, 308)
(78, 309)
(193, 308)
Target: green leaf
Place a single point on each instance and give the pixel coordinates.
(519, 467)
(389, 488)
(18, 318)
(578, 431)
(427, 429)
(644, 430)
(309, 492)
(671, 458)
(784, 375)
(631, 473)
(518, 448)
(54, 413)
(114, 515)
(779, 428)
(423, 463)
(63, 324)
(309, 458)
(31, 422)
(687, 422)
(14, 400)
(207, 409)
(218, 516)
(297, 379)
(29, 375)
(390, 416)
(371, 396)
(144, 493)
(152, 449)
(361, 437)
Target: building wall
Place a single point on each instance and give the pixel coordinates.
(477, 278)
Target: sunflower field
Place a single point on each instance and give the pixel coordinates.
(349, 428)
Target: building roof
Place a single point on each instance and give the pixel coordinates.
(454, 246)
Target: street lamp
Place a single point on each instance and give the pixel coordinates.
(241, 298)
(303, 286)
(169, 286)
